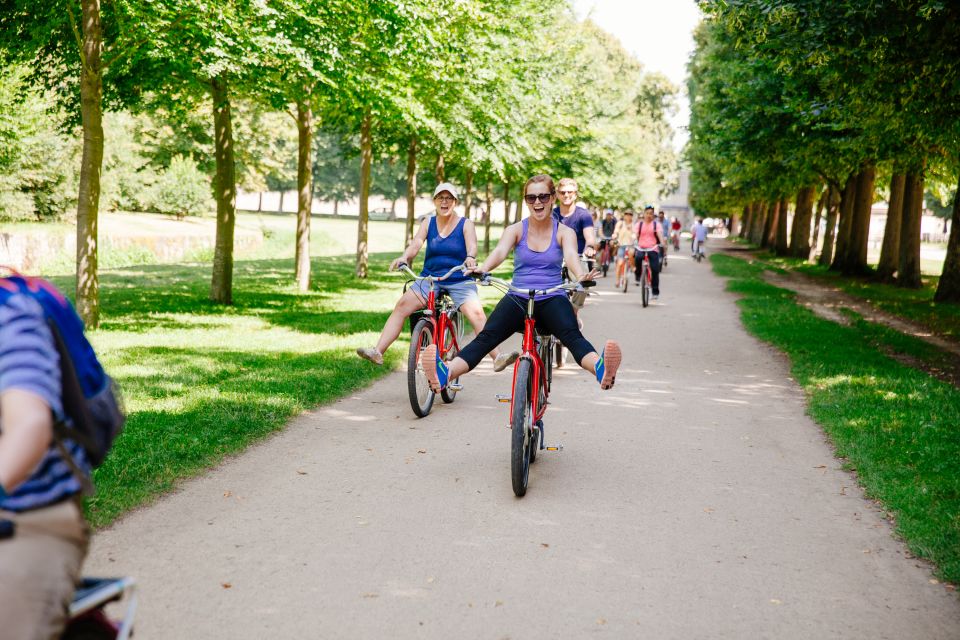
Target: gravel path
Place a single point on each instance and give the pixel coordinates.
(695, 500)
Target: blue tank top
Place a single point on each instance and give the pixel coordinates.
(444, 254)
(538, 269)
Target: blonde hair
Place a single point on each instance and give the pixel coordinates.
(568, 182)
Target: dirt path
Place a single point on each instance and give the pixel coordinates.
(695, 500)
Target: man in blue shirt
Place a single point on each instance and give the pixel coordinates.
(577, 218)
(39, 492)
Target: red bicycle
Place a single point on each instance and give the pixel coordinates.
(532, 376)
(646, 275)
(440, 324)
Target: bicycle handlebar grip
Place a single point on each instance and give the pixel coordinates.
(586, 284)
(7, 529)
(479, 275)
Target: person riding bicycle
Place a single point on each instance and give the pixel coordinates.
(451, 240)
(541, 245)
(577, 218)
(607, 226)
(649, 240)
(39, 491)
(699, 231)
(623, 236)
(675, 228)
(664, 231)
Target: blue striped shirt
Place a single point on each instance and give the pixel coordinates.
(29, 362)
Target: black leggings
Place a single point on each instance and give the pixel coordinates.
(553, 315)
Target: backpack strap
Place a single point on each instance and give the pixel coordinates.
(75, 407)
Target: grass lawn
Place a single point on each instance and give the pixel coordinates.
(913, 304)
(894, 425)
(203, 381)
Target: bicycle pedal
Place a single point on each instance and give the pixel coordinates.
(558, 447)
(501, 398)
(455, 386)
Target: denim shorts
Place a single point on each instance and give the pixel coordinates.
(460, 292)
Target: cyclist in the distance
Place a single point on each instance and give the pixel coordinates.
(699, 231)
(607, 226)
(451, 240)
(675, 228)
(626, 239)
(541, 246)
(649, 240)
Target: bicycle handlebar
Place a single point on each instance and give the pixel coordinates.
(506, 286)
(406, 268)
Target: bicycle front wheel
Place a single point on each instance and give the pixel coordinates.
(421, 396)
(521, 425)
(645, 284)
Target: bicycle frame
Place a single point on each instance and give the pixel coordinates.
(646, 260)
(531, 353)
(529, 348)
(439, 322)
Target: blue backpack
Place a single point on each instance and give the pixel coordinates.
(91, 399)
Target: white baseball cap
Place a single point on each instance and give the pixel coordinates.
(446, 186)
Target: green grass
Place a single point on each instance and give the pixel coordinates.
(203, 381)
(916, 305)
(894, 425)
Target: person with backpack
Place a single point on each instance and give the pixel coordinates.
(53, 394)
(650, 237)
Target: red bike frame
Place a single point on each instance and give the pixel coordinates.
(440, 326)
(530, 353)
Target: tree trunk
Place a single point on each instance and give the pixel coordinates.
(91, 165)
(260, 202)
(225, 185)
(411, 188)
(518, 210)
(800, 231)
(336, 207)
(366, 159)
(440, 170)
(467, 197)
(758, 223)
(833, 210)
(909, 269)
(821, 202)
(860, 227)
(780, 245)
(506, 204)
(949, 288)
(486, 219)
(304, 193)
(845, 222)
(768, 238)
(890, 250)
(745, 220)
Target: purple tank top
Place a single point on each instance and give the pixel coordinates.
(538, 269)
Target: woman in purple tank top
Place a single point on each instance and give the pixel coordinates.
(541, 245)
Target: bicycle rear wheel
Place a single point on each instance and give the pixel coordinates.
(454, 328)
(418, 388)
(521, 426)
(645, 284)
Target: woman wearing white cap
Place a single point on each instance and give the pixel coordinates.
(451, 240)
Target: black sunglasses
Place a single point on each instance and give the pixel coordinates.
(533, 197)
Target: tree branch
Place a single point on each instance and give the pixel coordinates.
(136, 45)
(76, 34)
